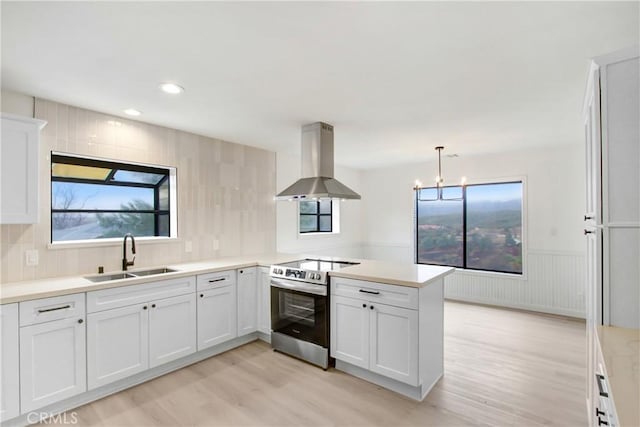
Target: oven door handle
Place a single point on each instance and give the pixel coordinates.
(304, 287)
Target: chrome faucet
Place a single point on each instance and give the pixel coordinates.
(125, 262)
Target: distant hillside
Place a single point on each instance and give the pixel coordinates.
(482, 214)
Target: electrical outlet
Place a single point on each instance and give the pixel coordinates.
(31, 258)
(188, 246)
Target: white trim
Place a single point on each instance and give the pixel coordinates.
(529, 307)
(87, 243)
(525, 227)
(115, 241)
(335, 222)
(618, 56)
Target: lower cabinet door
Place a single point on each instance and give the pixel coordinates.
(264, 301)
(10, 362)
(247, 301)
(117, 344)
(172, 329)
(394, 342)
(216, 316)
(53, 364)
(350, 330)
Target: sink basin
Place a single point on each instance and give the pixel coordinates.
(162, 270)
(108, 277)
(129, 274)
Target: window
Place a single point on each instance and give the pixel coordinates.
(98, 199)
(481, 230)
(316, 216)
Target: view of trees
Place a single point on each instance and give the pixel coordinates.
(493, 234)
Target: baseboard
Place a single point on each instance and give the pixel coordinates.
(51, 411)
(537, 308)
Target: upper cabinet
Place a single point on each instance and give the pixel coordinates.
(19, 171)
(612, 132)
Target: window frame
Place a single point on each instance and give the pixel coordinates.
(168, 178)
(318, 215)
(464, 269)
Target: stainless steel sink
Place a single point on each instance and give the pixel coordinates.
(129, 274)
(108, 277)
(162, 270)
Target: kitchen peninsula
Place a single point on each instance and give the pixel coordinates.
(114, 334)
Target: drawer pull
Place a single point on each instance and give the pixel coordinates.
(81, 321)
(46, 310)
(370, 292)
(588, 217)
(599, 412)
(602, 422)
(599, 379)
(217, 280)
(588, 232)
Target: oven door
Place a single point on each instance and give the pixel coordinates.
(299, 310)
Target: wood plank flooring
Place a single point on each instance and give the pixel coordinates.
(502, 368)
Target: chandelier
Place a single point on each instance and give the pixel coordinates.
(439, 189)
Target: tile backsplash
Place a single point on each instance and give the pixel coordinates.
(225, 194)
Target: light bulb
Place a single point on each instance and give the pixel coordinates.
(463, 181)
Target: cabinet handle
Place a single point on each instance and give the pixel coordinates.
(369, 292)
(46, 310)
(80, 320)
(599, 379)
(144, 307)
(599, 412)
(371, 307)
(588, 217)
(241, 271)
(217, 280)
(588, 232)
(201, 295)
(602, 422)
(364, 305)
(153, 306)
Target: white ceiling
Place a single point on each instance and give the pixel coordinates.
(395, 79)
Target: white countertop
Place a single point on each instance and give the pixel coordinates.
(376, 271)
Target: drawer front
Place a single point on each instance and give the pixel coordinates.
(216, 280)
(399, 296)
(55, 308)
(123, 296)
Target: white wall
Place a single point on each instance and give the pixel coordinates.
(225, 194)
(347, 243)
(554, 242)
(17, 103)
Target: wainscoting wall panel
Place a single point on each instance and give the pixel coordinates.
(554, 283)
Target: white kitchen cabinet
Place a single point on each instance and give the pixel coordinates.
(9, 362)
(138, 331)
(217, 315)
(393, 333)
(374, 336)
(264, 300)
(350, 331)
(52, 362)
(172, 329)
(612, 131)
(247, 301)
(19, 148)
(117, 344)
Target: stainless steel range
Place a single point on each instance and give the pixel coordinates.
(300, 308)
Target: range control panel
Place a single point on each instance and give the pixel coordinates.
(319, 277)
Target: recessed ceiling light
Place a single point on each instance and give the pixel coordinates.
(132, 112)
(171, 88)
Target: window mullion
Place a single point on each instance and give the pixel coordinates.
(464, 227)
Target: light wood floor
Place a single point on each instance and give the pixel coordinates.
(502, 367)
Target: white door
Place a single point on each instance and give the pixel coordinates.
(247, 301)
(394, 342)
(53, 364)
(264, 301)
(117, 344)
(216, 316)
(9, 362)
(172, 329)
(350, 330)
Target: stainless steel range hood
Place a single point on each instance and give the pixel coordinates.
(317, 168)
